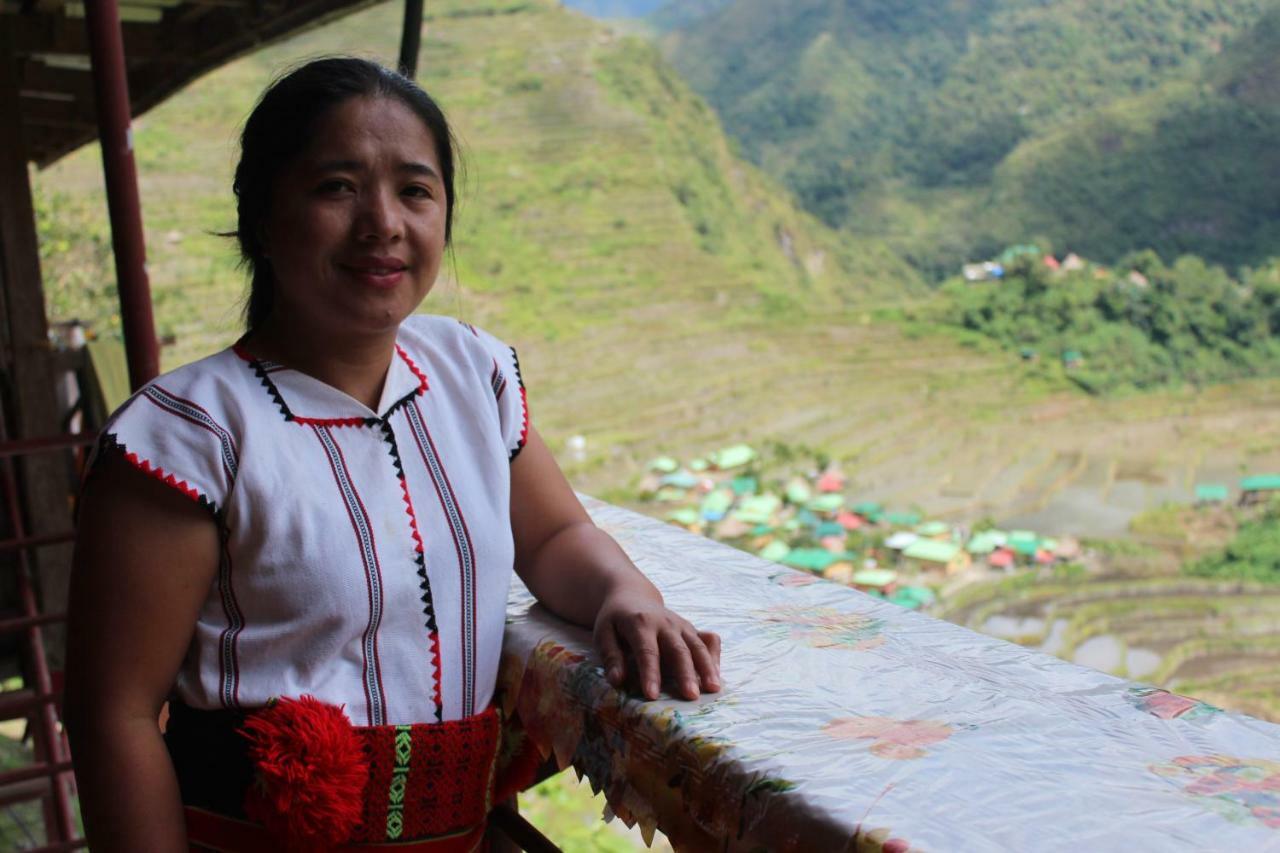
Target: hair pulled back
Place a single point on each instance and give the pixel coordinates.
(280, 128)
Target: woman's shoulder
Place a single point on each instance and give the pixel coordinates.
(438, 333)
(207, 385)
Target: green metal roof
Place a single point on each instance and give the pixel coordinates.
(1211, 492)
(813, 559)
(931, 550)
(982, 543)
(933, 528)
(775, 550)
(686, 515)
(1261, 483)
(663, 465)
(733, 457)
(875, 577)
(827, 503)
(911, 596)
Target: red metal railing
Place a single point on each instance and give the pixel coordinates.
(49, 777)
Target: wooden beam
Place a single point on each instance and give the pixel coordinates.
(222, 34)
(33, 408)
(36, 76)
(41, 141)
(36, 34)
(57, 113)
(192, 39)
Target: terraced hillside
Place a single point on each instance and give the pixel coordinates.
(663, 294)
(1217, 641)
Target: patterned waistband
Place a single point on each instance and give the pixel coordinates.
(423, 781)
(209, 832)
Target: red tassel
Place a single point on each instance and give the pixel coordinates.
(312, 772)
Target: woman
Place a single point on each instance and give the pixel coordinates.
(330, 509)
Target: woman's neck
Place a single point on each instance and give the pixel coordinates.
(356, 366)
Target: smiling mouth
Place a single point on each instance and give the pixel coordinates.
(376, 269)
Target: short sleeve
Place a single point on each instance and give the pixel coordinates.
(167, 435)
(507, 385)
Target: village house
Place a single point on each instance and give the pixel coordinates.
(1259, 489)
(932, 556)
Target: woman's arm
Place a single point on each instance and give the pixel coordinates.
(581, 574)
(145, 559)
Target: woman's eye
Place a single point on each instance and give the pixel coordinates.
(334, 186)
(417, 191)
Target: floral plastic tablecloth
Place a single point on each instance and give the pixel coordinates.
(847, 723)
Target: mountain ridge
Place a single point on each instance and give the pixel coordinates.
(896, 125)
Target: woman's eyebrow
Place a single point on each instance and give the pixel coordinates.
(419, 169)
(356, 166)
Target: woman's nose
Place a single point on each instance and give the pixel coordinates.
(379, 217)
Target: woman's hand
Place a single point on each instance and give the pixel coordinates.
(579, 573)
(662, 645)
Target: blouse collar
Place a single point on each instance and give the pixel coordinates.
(306, 400)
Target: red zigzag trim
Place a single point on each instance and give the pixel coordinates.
(524, 410)
(163, 476)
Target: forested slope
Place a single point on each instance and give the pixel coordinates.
(895, 119)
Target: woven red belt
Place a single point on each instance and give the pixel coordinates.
(320, 783)
(208, 831)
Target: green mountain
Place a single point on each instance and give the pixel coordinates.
(893, 119)
(1190, 168)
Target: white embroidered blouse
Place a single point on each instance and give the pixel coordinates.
(366, 555)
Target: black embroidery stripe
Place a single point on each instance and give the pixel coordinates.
(462, 543)
(230, 662)
(372, 572)
(497, 380)
(261, 372)
(169, 402)
(398, 405)
(263, 368)
(428, 605)
(515, 361)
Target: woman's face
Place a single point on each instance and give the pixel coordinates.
(356, 227)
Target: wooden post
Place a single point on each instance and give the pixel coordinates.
(410, 38)
(115, 135)
(28, 361)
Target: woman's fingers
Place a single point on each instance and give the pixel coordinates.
(663, 648)
(615, 666)
(704, 646)
(677, 661)
(712, 641)
(641, 637)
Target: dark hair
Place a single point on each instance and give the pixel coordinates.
(280, 128)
